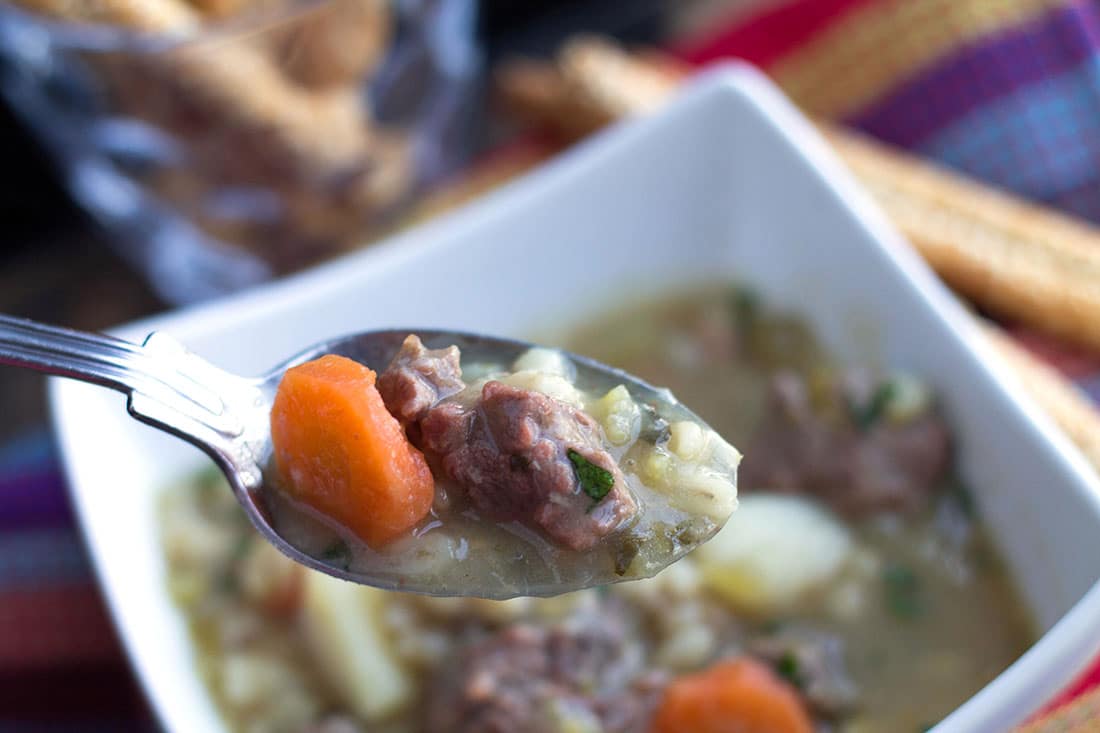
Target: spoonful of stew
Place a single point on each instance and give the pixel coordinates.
(430, 461)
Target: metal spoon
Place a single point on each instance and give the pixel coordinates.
(227, 416)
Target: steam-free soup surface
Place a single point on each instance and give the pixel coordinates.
(856, 573)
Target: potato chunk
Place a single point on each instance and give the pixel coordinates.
(773, 552)
(343, 626)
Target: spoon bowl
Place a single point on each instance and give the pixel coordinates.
(228, 417)
(375, 349)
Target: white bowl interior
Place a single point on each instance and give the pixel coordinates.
(729, 182)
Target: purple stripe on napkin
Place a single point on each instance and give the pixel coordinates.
(984, 72)
(34, 499)
(32, 489)
(1054, 126)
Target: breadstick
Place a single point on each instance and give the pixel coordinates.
(1012, 257)
(149, 16)
(319, 134)
(220, 8)
(593, 84)
(612, 80)
(387, 178)
(225, 96)
(334, 43)
(1070, 408)
(537, 94)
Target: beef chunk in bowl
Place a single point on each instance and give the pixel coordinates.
(860, 445)
(582, 676)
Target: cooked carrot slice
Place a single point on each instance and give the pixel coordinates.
(736, 696)
(339, 451)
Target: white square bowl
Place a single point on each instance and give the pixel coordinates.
(727, 182)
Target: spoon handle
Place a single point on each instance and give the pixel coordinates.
(64, 352)
(96, 358)
(168, 386)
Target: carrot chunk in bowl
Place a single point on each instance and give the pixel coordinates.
(736, 696)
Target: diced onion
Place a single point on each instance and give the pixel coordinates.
(694, 486)
(703, 492)
(619, 415)
(547, 361)
(551, 385)
(687, 440)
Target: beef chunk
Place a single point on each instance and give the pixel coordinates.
(509, 452)
(532, 679)
(418, 378)
(857, 470)
(813, 661)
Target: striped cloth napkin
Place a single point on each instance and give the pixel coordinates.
(1007, 91)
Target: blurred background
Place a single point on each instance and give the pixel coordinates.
(77, 252)
(159, 153)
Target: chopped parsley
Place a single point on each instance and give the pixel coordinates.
(338, 554)
(594, 481)
(745, 304)
(867, 415)
(787, 668)
(903, 591)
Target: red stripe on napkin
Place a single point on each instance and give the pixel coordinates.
(772, 34)
(53, 625)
